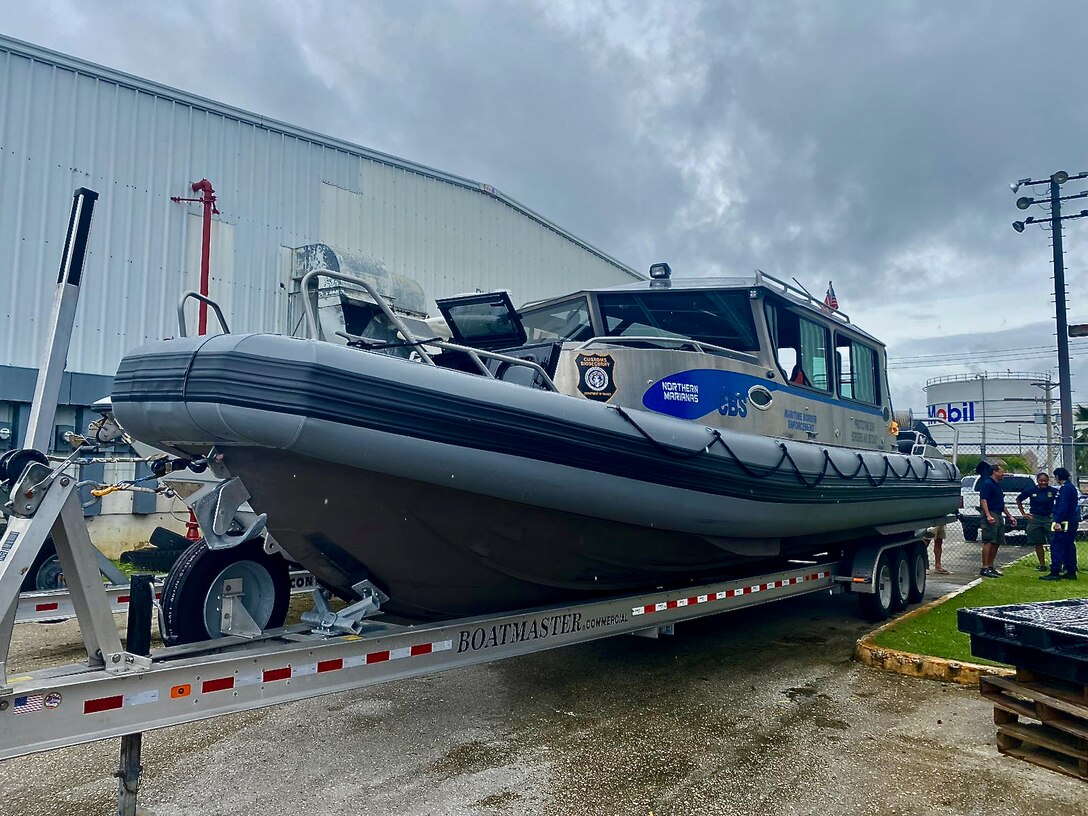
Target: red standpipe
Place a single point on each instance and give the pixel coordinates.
(207, 198)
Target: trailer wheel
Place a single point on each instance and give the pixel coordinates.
(919, 563)
(877, 606)
(900, 579)
(192, 595)
(46, 572)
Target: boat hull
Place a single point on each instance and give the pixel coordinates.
(460, 495)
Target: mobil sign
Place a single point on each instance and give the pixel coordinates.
(952, 412)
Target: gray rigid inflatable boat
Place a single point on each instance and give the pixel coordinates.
(458, 494)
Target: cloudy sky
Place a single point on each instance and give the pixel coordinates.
(867, 143)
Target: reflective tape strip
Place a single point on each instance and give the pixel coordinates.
(662, 606)
(46, 607)
(218, 684)
(103, 704)
(273, 675)
(142, 697)
(231, 682)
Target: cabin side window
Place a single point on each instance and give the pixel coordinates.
(557, 322)
(801, 347)
(859, 372)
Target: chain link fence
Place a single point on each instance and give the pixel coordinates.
(962, 545)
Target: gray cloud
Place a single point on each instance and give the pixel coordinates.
(866, 143)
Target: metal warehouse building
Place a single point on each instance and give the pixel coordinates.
(66, 123)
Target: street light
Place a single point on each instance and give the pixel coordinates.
(1055, 218)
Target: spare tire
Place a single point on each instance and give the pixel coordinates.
(192, 593)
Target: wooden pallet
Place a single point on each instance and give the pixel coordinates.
(1059, 739)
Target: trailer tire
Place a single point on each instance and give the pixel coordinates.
(900, 579)
(876, 606)
(191, 593)
(918, 558)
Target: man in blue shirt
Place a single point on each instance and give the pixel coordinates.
(992, 525)
(1063, 546)
(1040, 507)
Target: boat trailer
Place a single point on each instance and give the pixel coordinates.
(122, 690)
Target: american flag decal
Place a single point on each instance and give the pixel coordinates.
(28, 703)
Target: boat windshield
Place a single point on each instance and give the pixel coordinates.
(567, 320)
(722, 318)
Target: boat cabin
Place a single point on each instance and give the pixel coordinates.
(752, 354)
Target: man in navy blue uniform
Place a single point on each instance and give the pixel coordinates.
(992, 501)
(1040, 507)
(1063, 546)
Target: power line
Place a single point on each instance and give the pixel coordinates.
(980, 357)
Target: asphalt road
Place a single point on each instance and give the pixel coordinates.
(757, 711)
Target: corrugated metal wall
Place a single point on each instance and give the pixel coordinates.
(65, 123)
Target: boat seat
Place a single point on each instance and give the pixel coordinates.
(546, 355)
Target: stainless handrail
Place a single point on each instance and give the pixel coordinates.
(203, 299)
(697, 345)
(474, 354)
(311, 318)
(763, 278)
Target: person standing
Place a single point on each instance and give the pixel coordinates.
(937, 534)
(992, 500)
(1063, 546)
(1040, 508)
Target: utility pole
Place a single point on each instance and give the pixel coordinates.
(1048, 401)
(1055, 199)
(1065, 391)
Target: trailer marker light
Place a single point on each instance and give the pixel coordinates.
(181, 691)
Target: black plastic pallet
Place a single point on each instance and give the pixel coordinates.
(1052, 625)
(1067, 664)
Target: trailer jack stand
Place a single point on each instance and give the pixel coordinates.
(141, 603)
(128, 774)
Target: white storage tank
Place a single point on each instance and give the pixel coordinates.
(995, 412)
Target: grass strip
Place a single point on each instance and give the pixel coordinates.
(934, 632)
